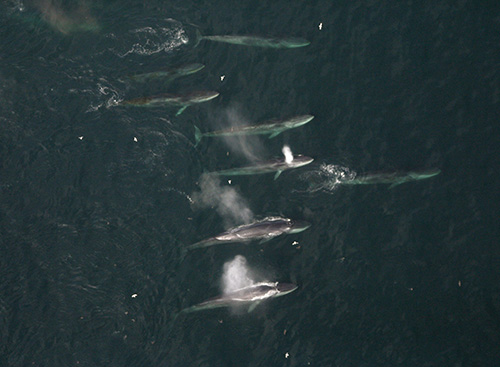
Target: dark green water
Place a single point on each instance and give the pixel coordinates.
(95, 199)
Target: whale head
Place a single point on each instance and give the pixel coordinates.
(285, 288)
(298, 226)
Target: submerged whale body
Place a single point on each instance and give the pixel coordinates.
(179, 100)
(255, 41)
(276, 165)
(251, 295)
(392, 178)
(271, 127)
(263, 230)
(169, 74)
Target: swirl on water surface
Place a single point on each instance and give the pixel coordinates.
(108, 95)
(327, 178)
(152, 40)
(15, 5)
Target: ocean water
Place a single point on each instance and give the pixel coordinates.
(98, 200)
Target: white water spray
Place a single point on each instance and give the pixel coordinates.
(78, 19)
(249, 147)
(287, 152)
(230, 205)
(236, 275)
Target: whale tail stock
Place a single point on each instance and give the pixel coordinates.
(197, 135)
(198, 38)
